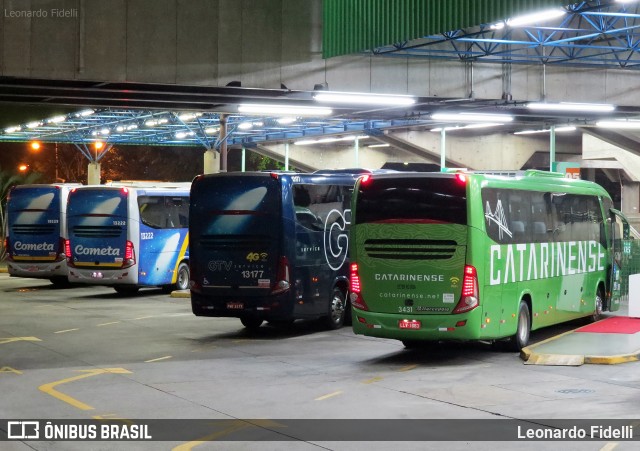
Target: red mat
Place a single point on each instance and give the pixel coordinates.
(613, 325)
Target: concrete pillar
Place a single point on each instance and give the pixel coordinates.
(211, 162)
(630, 202)
(93, 174)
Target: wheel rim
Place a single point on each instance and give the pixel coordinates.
(183, 278)
(598, 308)
(523, 326)
(337, 309)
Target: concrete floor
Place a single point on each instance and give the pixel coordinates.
(85, 352)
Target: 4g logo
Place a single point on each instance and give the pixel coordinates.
(256, 257)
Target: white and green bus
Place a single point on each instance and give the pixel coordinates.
(473, 256)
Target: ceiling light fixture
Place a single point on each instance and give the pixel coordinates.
(467, 127)
(547, 130)
(629, 124)
(330, 139)
(364, 98)
(541, 16)
(569, 106)
(472, 117)
(285, 110)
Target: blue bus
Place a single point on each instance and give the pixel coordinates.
(36, 220)
(271, 246)
(129, 236)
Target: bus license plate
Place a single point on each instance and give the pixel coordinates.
(235, 305)
(413, 324)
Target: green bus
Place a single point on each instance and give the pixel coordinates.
(479, 256)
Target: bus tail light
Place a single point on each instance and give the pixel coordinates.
(355, 288)
(283, 277)
(67, 252)
(129, 255)
(6, 248)
(469, 296)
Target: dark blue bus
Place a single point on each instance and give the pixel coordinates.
(271, 246)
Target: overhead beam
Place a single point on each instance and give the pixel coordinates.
(617, 139)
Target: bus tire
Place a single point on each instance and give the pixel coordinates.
(523, 329)
(60, 282)
(126, 290)
(182, 282)
(337, 309)
(412, 344)
(251, 322)
(598, 307)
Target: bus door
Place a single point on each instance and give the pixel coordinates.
(619, 235)
(322, 218)
(164, 219)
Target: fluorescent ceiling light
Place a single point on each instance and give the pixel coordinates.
(472, 117)
(34, 124)
(629, 124)
(245, 125)
(331, 139)
(364, 98)
(211, 130)
(13, 129)
(546, 130)
(184, 117)
(467, 127)
(380, 145)
(181, 135)
(286, 120)
(285, 110)
(568, 106)
(85, 113)
(541, 16)
(57, 119)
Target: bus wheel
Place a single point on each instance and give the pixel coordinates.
(337, 310)
(126, 290)
(597, 311)
(251, 322)
(60, 282)
(521, 337)
(182, 283)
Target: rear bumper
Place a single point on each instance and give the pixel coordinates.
(273, 307)
(102, 276)
(432, 327)
(38, 270)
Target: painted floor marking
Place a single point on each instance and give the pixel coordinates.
(158, 359)
(373, 380)
(65, 331)
(13, 339)
(107, 324)
(408, 368)
(235, 425)
(330, 395)
(50, 387)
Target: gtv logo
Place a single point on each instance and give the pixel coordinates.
(336, 239)
(219, 265)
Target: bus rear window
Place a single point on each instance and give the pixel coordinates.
(235, 205)
(412, 199)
